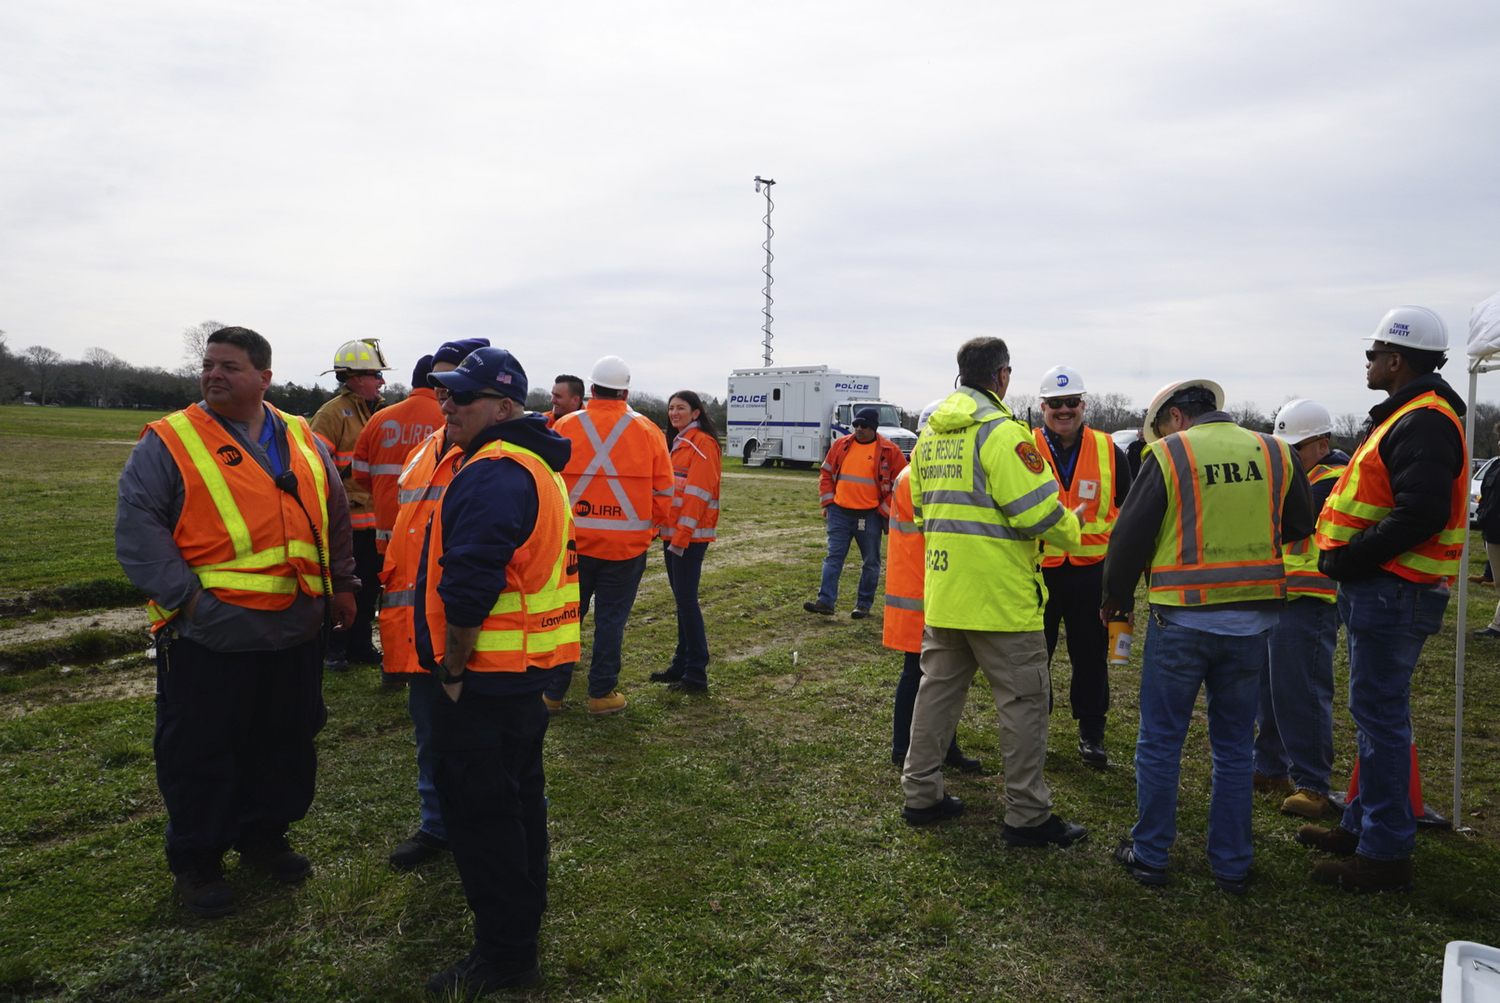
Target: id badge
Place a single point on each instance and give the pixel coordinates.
(1088, 490)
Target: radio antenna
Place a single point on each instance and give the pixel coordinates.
(766, 183)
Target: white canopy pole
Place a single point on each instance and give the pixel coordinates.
(1463, 618)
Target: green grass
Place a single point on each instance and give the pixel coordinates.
(748, 846)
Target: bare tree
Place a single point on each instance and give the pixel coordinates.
(194, 341)
(1112, 412)
(1347, 429)
(43, 361)
(102, 372)
(1249, 415)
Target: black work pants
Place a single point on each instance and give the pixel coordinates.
(235, 759)
(1074, 593)
(487, 765)
(367, 563)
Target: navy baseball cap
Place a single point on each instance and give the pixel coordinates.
(457, 351)
(868, 417)
(420, 371)
(486, 369)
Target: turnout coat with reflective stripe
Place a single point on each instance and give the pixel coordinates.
(1303, 579)
(246, 539)
(419, 490)
(1093, 484)
(1362, 497)
(619, 479)
(696, 470)
(339, 422)
(902, 629)
(1220, 540)
(983, 497)
(381, 450)
(535, 617)
(888, 463)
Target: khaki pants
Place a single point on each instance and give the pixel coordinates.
(1016, 666)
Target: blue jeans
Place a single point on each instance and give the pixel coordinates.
(1388, 620)
(843, 525)
(613, 584)
(421, 691)
(1177, 662)
(690, 661)
(1296, 701)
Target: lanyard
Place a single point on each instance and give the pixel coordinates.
(1066, 459)
(268, 443)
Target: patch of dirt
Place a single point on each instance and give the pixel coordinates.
(784, 478)
(130, 618)
(116, 684)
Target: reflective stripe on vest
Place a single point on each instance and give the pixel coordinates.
(1093, 470)
(1220, 539)
(419, 489)
(601, 463)
(1362, 497)
(902, 624)
(1303, 579)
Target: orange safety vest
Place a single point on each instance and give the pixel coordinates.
(904, 569)
(619, 479)
(246, 539)
(381, 450)
(1362, 497)
(419, 490)
(1303, 579)
(1093, 484)
(696, 470)
(534, 621)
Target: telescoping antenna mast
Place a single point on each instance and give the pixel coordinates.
(766, 183)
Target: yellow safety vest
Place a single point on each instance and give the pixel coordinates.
(983, 497)
(1220, 540)
(1303, 579)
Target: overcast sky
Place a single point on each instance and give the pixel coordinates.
(1147, 191)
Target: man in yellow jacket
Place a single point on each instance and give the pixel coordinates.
(984, 498)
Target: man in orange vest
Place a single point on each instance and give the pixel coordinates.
(233, 521)
(567, 397)
(1391, 535)
(360, 367)
(620, 485)
(496, 611)
(854, 489)
(1091, 472)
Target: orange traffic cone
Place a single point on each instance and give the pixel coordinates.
(1418, 809)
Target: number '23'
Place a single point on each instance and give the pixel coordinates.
(937, 560)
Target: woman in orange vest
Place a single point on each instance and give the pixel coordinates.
(689, 529)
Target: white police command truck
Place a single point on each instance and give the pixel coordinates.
(792, 414)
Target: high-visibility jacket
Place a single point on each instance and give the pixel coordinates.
(889, 463)
(1220, 539)
(419, 491)
(246, 539)
(1303, 579)
(535, 618)
(1093, 484)
(619, 479)
(696, 468)
(381, 450)
(1362, 497)
(339, 422)
(983, 497)
(902, 629)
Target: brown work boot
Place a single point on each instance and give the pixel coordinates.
(1361, 874)
(203, 889)
(1336, 840)
(1308, 804)
(1266, 784)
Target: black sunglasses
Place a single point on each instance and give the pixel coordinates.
(463, 398)
(1372, 352)
(1059, 402)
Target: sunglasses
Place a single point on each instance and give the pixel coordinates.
(1056, 403)
(463, 398)
(1370, 354)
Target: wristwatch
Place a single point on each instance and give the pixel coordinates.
(448, 678)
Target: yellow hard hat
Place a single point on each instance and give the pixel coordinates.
(360, 355)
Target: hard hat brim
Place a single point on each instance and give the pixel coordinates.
(1166, 393)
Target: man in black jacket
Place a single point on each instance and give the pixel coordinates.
(1391, 535)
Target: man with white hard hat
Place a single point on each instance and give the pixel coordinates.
(620, 486)
(1207, 517)
(1392, 533)
(1294, 743)
(1091, 472)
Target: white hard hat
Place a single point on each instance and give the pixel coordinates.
(1166, 393)
(927, 413)
(1061, 381)
(1412, 327)
(359, 355)
(1300, 420)
(612, 372)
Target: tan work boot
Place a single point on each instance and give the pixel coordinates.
(553, 706)
(1308, 804)
(1336, 840)
(1361, 874)
(605, 706)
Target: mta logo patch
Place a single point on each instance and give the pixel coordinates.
(1029, 456)
(230, 456)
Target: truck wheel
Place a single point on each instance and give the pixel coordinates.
(750, 445)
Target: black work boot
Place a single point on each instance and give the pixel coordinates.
(200, 882)
(269, 852)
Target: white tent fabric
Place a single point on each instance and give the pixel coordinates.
(1484, 328)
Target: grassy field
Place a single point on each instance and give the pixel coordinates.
(748, 846)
